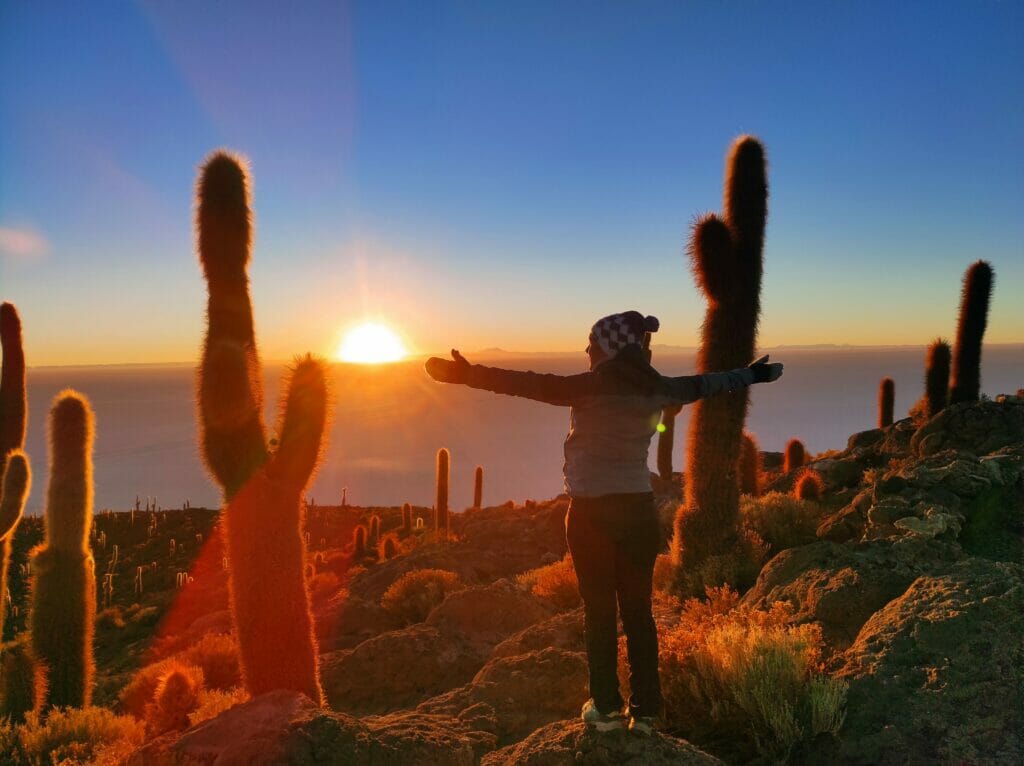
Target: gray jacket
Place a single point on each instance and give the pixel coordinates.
(614, 411)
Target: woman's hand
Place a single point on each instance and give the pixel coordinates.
(764, 372)
(446, 370)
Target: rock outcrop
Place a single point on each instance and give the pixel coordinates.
(937, 675)
(568, 743)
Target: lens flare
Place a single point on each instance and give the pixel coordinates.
(371, 343)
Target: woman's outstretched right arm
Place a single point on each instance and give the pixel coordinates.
(541, 387)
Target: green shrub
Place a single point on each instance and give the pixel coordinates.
(411, 597)
(781, 520)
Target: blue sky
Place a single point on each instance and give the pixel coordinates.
(502, 174)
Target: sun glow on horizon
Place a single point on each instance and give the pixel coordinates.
(371, 343)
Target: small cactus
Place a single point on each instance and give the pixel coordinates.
(419, 522)
(374, 534)
(359, 541)
(750, 466)
(795, 456)
(478, 486)
(176, 695)
(936, 378)
(441, 504)
(388, 547)
(63, 572)
(406, 518)
(886, 396)
(977, 292)
(810, 486)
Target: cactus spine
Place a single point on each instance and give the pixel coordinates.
(666, 438)
(886, 396)
(441, 498)
(15, 475)
(750, 466)
(727, 262)
(262, 488)
(936, 378)
(63, 571)
(977, 291)
(795, 456)
(478, 487)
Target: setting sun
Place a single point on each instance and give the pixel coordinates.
(371, 343)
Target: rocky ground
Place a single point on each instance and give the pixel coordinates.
(917, 579)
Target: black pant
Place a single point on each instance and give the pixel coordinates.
(614, 541)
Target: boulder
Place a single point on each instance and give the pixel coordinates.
(284, 728)
(562, 631)
(841, 586)
(519, 693)
(864, 439)
(397, 669)
(569, 743)
(981, 427)
(488, 614)
(937, 675)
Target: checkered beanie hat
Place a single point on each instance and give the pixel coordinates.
(616, 331)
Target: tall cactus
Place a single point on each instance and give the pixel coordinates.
(727, 263)
(936, 378)
(478, 486)
(406, 518)
(16, 482)
(441, 495)
(15, 476)
(974, 300)
(886, 396)
(666, 438)
(262, 486)
(63, 572)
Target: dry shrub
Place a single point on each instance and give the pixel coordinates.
(745, 682)
(555, 583)
(323, 586)
(781, 520)
(737, 567)
(110, 618)
(215, 654)
(664, 573)
(70, 737)
(411, 597)
(176, 696)
(213, 702)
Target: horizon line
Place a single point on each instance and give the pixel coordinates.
(497, 351)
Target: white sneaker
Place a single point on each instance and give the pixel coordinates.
(642, 725)
(599, 721)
